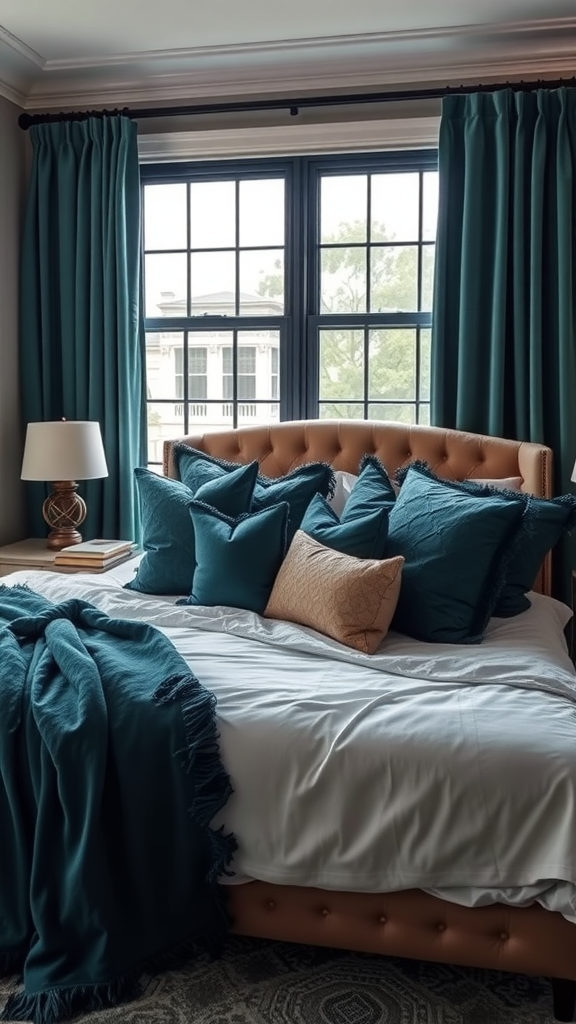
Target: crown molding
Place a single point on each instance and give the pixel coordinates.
(285, 140)
(318, 44)
(21, 49)
(461, 54)
(20, 66)
(14, 95)
(330, 78)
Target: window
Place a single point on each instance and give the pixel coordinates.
(245, 375)
(294, 288)
(274, 373)
(197, 374)
(375, 267)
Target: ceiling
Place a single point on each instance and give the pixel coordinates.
(58, 53)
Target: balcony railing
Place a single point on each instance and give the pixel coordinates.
(196, 411)
(202, 411)
(166, 420)
(246, 410)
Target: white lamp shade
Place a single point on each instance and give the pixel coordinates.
(64, 450)
(573, 477)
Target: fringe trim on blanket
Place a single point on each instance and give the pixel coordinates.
(213, 787)
(201, 755)
(60, 1004)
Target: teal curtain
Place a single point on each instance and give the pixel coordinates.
(503, 334)
(81, 326)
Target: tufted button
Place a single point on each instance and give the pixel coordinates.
(441, 926)
(271, 905)
(382, 919)
(504, 936)
(325, 912)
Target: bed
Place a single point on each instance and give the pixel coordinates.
(529, 930)
(408, 923)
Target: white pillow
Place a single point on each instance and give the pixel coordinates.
(342, 491)
(504, 483)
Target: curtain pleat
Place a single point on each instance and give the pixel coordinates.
(503, 335)
(81, 327)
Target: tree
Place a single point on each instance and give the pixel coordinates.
(391, 351)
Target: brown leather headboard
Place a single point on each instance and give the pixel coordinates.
(450, 453)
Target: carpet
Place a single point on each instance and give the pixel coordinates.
(260, 982)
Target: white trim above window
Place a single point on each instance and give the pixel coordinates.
(292, 139)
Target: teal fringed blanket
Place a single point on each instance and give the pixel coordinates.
(109, 777)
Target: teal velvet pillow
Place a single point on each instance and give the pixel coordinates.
(456, 547)
(542, 526)
(362, 529)
(546, 520)
(371, 491)
(237, 560)
(297, 488)
(363, 536)
(167, 565)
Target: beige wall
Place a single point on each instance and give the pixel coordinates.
(12, 184)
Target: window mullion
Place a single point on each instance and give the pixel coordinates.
(392, 271)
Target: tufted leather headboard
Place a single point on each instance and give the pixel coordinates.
(450, 453)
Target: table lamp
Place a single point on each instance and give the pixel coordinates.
(63, 452)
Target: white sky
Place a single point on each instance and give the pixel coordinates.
(261, 223)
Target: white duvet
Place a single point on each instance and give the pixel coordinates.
(449, 768)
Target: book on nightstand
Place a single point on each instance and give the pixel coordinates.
(95, 554)
(92, 566)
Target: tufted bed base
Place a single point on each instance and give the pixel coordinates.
(530, 940)
(411, 923)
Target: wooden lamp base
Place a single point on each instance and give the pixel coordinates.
(64, 510)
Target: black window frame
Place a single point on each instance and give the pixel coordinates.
(300, 324)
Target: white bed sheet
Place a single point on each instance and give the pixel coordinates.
(449, 768)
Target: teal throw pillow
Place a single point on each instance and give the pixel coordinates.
(232, 492)
(546, 520)
(362, 528)
(371, 491)
(237, 560)
(540, 529)
(364, 536)
(167, 565)
(456, 547)
(297, 488)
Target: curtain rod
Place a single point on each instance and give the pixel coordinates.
(26, 121)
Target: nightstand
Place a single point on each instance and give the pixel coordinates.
(33, 554)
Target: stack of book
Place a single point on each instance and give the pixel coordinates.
(95, 555)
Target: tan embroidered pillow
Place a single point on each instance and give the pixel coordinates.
(349, 599)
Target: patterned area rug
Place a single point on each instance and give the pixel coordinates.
(259, 982)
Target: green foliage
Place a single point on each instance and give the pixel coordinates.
(391, 352)
(272, 285)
